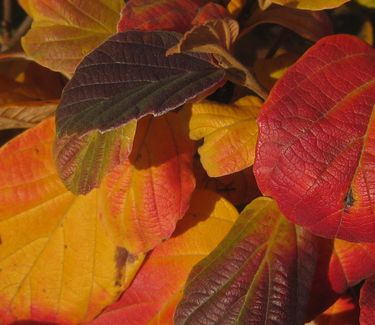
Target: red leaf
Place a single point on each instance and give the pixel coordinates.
(210, 11)
(367, 302)
(316, 147)
(172, 15)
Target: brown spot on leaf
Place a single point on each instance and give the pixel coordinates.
(121, 259)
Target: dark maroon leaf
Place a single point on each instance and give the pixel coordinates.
(128, 77)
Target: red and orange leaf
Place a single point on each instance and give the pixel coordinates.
(57, 264)
(146, 196)
(316, 145)
(260, 272)
(210, 11)
(157, 288)
(64, 31)
(171, 15)
(229, 131)
(344, 311)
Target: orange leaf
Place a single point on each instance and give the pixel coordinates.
(229, 131)
(64, 31)
(56, 262)
(157, 288)
(150, 192)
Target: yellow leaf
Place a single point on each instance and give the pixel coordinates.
(367, 3)
(56, 262)
(64, 31)
(234, 7)
(367, 32)
(308, 4)
(229, 131)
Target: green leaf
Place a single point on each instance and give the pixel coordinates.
(259, 274)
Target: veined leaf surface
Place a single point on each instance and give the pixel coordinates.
(171, 15)
(57, 264)
(316, 145)
(128, 77)
(156, 290)
(261, 272)
(229, 131)
(64, 31)
(143, 198)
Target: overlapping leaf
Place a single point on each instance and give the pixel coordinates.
(229, 132)
(128, 77)
(261, 272)
(64, 31)
(341, 265)
(124, 79)
(157, 288)
(146, 196)
(315, 152)
(56, 263)
(311, 25)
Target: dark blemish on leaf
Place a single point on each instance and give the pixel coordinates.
(121, 258)
(65, 246)
(36, 150)
(1, 241)
(349, 200)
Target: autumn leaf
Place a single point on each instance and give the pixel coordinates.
(235, 7)
(57, 265)
(305, 4)
(83, 161)
(229, 131)
(341, 265)
(260, 272)
(128, 77)
(315, 149)
(210, 11)
(367, 302)
(311, 25)
(367, 3)
(144, 197)
(170, 15)
(63, 31)
(211, 37)
(216, 37)
(28, 92)
(156, 290)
